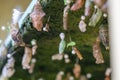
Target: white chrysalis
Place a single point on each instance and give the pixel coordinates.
(82, 24)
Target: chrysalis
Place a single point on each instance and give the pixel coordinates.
(32, 65)
(107, 78)
(83, 77)
(77, 70)
(27, 58)
(102, 4)
(95, 17)
(77, 5)
(82, 24)
(16, 36)
(97, 52)
(65, 17)
(59, 75)
(34, 46)
(99, 3)
(79, 55)
(8, 70)
(68, 76)
(37, 17)
(104, 7)
(103, 34)
(107, 74)
(62, 43)
(46, 28)
(88, 8)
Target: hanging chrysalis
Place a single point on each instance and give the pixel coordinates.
(99, 3)
(102, 4)
(32, 65)
(103, 34)
(68, 76)
(37, 16)
(107, 74)
(97, 52)
(62, 43)
(83, 77)
(88, 8)
(77, 70)
(107, 78)
(27, 58)
(34, 46)
(8, 70)
(65, 17)
(59, 75)
(46, 28)
(97, 14)
(77, 52)
(82, 24)
(16, 36)
(104, 7)
(77, 5)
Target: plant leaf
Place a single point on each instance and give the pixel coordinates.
(72, 43)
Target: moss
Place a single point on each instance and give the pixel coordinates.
(48, 45)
